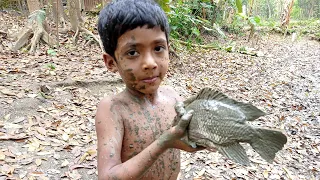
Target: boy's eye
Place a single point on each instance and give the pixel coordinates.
(132, 53)
(159, 48)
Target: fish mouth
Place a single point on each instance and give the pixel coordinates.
(150, 79)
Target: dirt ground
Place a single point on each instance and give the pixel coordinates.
(48, 102)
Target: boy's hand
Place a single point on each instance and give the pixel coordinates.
(172, 137)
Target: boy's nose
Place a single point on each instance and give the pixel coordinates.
(149, 62)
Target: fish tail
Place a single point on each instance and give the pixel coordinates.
(267, 143)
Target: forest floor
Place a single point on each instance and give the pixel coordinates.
(48, 103)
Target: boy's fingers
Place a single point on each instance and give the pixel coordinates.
(185, 119)
(179, 107)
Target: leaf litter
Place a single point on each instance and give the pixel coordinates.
(49, 102)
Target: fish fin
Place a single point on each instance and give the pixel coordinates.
(251, 112)
(189, 100)
(268, 142)
(210, 94)
(235, 152)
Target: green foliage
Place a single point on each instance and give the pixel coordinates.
(310, 27)
(8, 4)
(165, 5)
(51, 52)
(51, 66)
(189, 20)
(239, 5)
(184, 25)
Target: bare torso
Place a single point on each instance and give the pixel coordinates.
(143, 123)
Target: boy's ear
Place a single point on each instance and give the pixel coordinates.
(110, 63)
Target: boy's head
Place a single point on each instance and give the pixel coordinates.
(121, 16)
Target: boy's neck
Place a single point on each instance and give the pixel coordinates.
(141, 97)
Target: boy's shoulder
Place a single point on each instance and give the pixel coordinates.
(123, 99)
(114, 99)
(170, 92)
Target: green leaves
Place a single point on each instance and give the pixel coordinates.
(51, 66)
(254, 20)
(239, 5)
(185, 24)
(195, 31)
(51, 52)
(165, 5)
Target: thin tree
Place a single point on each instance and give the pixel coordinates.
(76, 21)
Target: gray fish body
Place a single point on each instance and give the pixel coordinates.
(219, 122)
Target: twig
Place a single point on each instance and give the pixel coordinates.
(76, 35)
(57, 23)
(93, 36)
(3, 32)
(196, 45)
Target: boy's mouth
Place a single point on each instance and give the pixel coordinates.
(150, 79)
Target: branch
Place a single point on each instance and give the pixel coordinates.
(196, 45)
(94, 37)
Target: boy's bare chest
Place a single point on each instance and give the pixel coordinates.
(143, 125)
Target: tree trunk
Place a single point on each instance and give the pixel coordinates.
(58, 12)
(269, 9)
(77, 21)
(34, 28)
(33, 5)
(286, 14)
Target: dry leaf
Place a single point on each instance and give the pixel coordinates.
(6, 169)
(14, 151)
(65, 136)
(92, 171)
(26, 161)
(38, 162)
(22, 174)
(2, 156)
(20, 136)
(53, 171)
(87, 166)
(19, 120)
(7, 117)
(56, 156)
(7, 92)
(265, 174)
(74, 175)
(36, 174)
(42, 130)
(44, 153)
(65, 163)
(12, 126)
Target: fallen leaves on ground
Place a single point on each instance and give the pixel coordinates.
(49, 102)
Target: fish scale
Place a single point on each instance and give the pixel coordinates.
(220, 122)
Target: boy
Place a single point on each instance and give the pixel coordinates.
(135, 136)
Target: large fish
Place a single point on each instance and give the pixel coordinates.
(220, 122)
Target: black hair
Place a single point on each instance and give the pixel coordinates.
(119, 16)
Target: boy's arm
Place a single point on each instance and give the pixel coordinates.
(110, 132)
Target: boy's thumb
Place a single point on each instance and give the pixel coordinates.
(185, 120)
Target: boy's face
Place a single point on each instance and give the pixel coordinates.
(142, 58)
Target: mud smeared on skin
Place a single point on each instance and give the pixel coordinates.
(130, 75)
(143, 122)
(142, 87)
(136, 130)
(133, 38)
